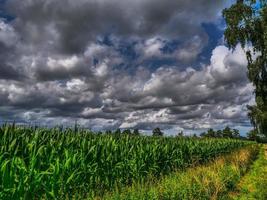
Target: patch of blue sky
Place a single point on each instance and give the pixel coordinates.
(3, 12)
(215, 34)
(105, 40)
(126, 48)
(258, 4)
(171, 46)
(155, 63)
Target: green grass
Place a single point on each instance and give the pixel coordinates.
(254, 185)
(40, 163)
(210, 181)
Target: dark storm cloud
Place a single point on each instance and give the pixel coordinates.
(75, 23)
(61, 69)
(56, 66)
(8, 40)
(8, 72)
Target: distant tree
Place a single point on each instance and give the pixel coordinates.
(246, 25)
(211, 133)
(136, 132)
(227, 132)
(76, 127)
(180, 134)
(117, 132)
(236, 133)
(252, 135)
(99, 133)
(219, 134)
(108, 132)
(127, 132)
(203, 134)
(157, 132)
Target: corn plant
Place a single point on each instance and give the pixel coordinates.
(41, 163)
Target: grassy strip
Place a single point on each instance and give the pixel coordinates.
(210, 181)
(254, 184)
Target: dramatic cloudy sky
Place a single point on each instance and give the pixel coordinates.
(121, 64)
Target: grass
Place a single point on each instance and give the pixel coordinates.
(210, 181)
(254, 184)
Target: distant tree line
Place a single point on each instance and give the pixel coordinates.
(255, 136)
(227, 132)
(134, 132)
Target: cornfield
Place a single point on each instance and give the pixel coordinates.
(40, 163)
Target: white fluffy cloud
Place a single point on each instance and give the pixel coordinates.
(8, 36)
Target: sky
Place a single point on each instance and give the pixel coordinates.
(110, 64)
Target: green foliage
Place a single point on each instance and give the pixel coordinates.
(252, 135)
(180, 134)
(59, 163)
(247, 25)
(157, 132)
(136, 132)
(227, 132)
(117, 132)
(127, 132)
(211, 133)
(235, 133)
